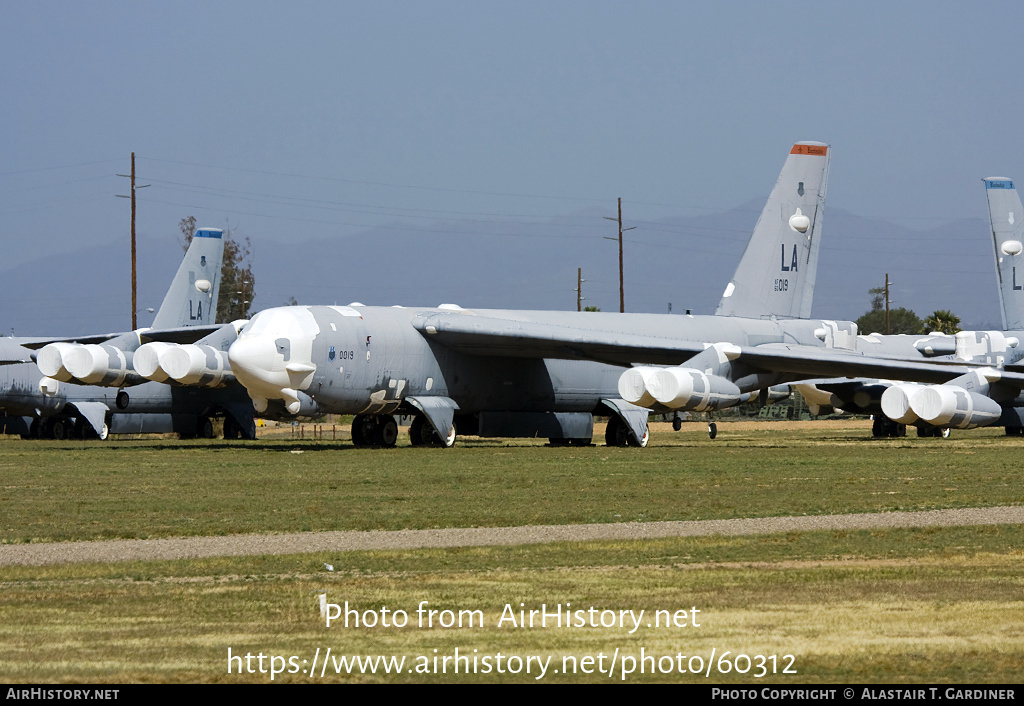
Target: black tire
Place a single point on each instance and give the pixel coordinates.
(712, 430)
(61, 428)
(386, 432)
(616, 433)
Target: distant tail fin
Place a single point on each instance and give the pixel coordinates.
(1007, 218)
(776, 274)
(192, 297)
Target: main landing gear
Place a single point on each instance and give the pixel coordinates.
(374, 431)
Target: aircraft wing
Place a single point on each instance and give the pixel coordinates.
(481, 335)
(11, 352)
(478, 335)
(184, 334)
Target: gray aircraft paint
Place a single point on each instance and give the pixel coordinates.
(27, 395)
(443, 361)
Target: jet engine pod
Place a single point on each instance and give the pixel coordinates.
(50, 360)
(196, 365)
(633, 386)
(952, 406)
(146, 360)
(686, 388)
(98, 364)
(896, 403)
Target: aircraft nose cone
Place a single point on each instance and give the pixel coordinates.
(256, 363)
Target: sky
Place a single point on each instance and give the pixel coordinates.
(303, 121)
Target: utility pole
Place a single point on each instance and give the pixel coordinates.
(579, 289)
(135, 306)
(887, 283)
(622, 295)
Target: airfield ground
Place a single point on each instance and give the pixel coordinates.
(889, 604)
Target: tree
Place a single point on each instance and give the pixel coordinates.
(591, 308)
(943, 321)
(900, 320)
(237, 283)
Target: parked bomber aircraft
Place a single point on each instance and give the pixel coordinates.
(535, 373)
(504, 373)
(88, 386)
(988, 396)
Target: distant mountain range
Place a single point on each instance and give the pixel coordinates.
(525, 264)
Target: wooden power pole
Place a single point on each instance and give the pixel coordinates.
(135, 306)
(622, 291)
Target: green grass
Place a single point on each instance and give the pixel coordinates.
(138, 489)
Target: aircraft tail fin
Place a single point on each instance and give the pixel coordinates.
(776, 274)
(1006, 216)
(192, 297)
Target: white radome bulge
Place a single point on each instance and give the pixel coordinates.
(1011, 247)
(799, 222)
(204, 285)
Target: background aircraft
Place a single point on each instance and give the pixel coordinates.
(87, 386)
(990, 396)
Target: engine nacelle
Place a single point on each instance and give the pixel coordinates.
(147, 360)
(633, 386)
(196, 365)
(952, 406)
(50, 360)
(686, 388)
(896, 402)
(104, 365)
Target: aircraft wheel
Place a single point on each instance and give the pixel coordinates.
(61, 428)
(104, 433)
(712, 430)
(204, 428)
(642, 442)
(231, 429)
(617, 433)
(582, 442)
(122, 400)
(877, 428)
(362, 430)
(420, 432)
(448, 441)
(34, 429)
(677, 423)
(559, 442)
(946, 430)
(387, 431)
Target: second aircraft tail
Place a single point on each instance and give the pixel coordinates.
(776, 274)
(1006, 216)
(191, 299)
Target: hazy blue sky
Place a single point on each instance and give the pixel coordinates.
(307, 119)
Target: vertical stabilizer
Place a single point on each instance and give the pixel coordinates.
(1006, 215)
(776, 274)
(192, 297)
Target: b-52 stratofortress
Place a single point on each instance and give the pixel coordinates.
(87, 386)
(510, 373)
(545, 373)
